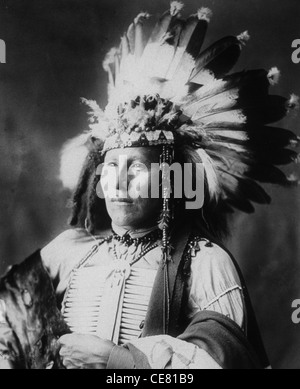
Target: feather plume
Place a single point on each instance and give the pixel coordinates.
(296, 158)
(176, 7)
(210, 173)
(218, 59)
(249, 188)
(247, 165)
(293, 179)
(228, 143)
(273, 76)
(236, 192)
(244, 37)
(73, 155)
(250, 83)
(95, 111)
(161, 28)
(131, 38)
(228, 134)
(203, 77)
(294, 142)
(109, 66)
(139, 33)
(125, 49)
(160, 50)
(190, 43)
(236, 116)
(221, 102)
(269, 110)
(293, 102)
(205, 14)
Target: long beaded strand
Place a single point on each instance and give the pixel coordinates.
(165, 221)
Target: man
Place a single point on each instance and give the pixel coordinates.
(141, 281)
(107, 292)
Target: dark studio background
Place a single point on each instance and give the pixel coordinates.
(54, 56)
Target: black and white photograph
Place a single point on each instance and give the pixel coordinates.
(149, 186)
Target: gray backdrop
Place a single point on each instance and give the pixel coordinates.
(54, 53)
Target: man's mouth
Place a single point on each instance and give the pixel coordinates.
(121, 200)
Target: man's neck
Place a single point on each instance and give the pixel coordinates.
(133, 232)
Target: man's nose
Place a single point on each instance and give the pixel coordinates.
(122, 175)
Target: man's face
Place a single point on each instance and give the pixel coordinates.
(128, 173)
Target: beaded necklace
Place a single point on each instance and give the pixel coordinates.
(145, 250)
(129, 245)
(128, 240)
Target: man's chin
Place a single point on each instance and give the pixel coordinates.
(123, 215)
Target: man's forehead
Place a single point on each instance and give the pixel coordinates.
(143, 153)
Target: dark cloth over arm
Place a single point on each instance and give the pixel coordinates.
(212, 332)
(222, 339)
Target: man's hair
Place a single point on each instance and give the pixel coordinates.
(90, 210)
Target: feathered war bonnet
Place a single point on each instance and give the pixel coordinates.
(165, 90)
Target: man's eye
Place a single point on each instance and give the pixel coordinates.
(111, 164)
(137, 167)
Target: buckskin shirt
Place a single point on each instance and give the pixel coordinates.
(102, 294)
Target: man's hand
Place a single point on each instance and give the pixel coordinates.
(84, 351)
